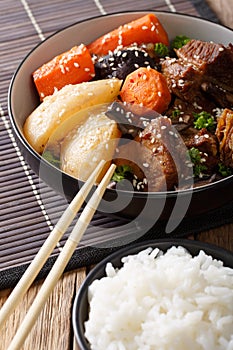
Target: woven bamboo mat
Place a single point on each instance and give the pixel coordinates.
(28, 208)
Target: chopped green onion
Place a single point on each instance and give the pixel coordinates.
(161, 50)
(204, 120)
(176, 113)
(179, 41)
(50, 157)
(195, 157)
(224, 170)
(122, 172)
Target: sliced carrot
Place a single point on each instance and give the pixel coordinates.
(71, 67)
(146, 87)
(146, 29)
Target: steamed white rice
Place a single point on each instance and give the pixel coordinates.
(162, 301)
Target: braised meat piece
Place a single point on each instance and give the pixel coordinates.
(160, 154)
(184, 81)
(128, 121)
(224, 133)
(201, 74)
(121, 63)
(181, 114)
(221, 97)
(214, 60)
(207, 144)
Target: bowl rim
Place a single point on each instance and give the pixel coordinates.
(98, 271)
(37, 156)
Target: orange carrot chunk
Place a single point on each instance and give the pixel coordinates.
(146, 87)
(71, 67)
(146, 29)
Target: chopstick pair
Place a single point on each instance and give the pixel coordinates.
(62, 260)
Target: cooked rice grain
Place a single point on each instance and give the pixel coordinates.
(162, 301)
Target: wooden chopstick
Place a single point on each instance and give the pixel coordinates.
(61, 262)
(39, 260)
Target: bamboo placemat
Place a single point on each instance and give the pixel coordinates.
(29, 209)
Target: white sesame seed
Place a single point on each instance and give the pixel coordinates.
(153, 28)
(62, 69)
(152, 140)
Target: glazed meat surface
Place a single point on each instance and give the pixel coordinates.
(201, 74)
(158, 155)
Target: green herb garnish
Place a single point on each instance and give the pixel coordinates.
(195, 157)
(50, 157)
(224, 170)
(161, 50)
(122, 172)
(179, 41)
(204, 120)
(176, 113)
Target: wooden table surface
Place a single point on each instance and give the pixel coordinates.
(53, 329)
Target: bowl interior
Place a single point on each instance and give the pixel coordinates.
(80, 307)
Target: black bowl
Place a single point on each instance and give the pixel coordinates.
(23, 99)
(80, 306)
